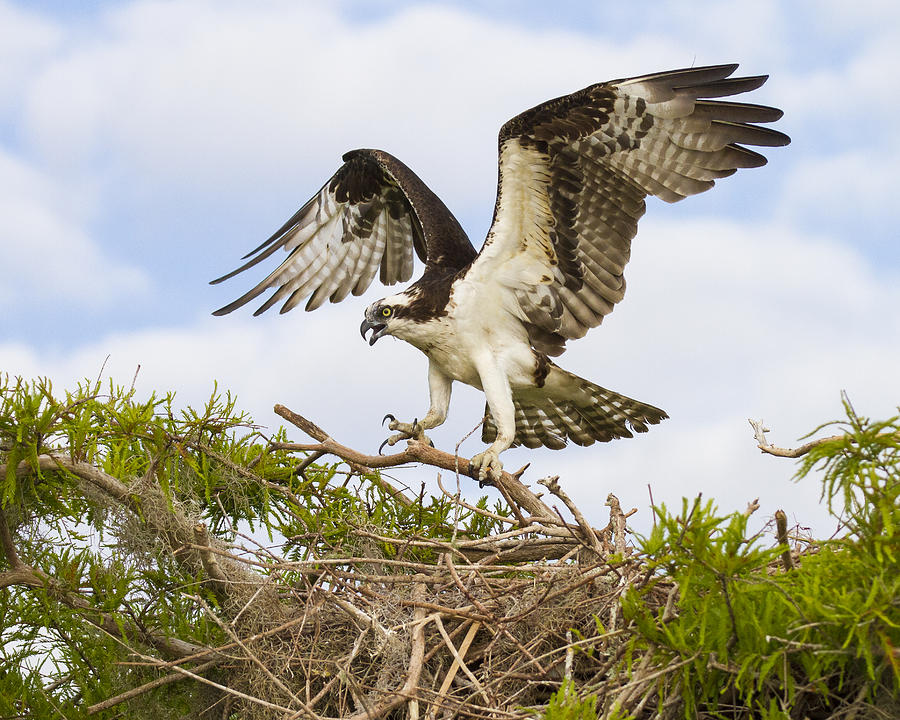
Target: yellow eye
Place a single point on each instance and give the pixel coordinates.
(386, 311)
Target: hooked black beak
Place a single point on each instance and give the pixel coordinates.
(378, 329)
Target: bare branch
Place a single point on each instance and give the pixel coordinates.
(759, 433)
(617, 523)
(782, 535)
(552, 484)
(414, 452)
(147, 687)
(454, 667)
(219, 581)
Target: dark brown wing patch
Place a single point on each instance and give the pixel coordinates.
(368, 218)
(574, 172)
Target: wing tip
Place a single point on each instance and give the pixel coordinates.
(225, 309)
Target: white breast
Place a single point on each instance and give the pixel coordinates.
(477, 322)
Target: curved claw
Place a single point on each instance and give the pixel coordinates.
(488, 467)
(381, 447)
(393, 419)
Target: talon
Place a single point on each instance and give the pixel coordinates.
(392, 440)
(393, 419)
(487, 466)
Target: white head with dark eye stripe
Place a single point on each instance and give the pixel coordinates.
(384, 317)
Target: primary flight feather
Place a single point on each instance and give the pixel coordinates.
(574, 172)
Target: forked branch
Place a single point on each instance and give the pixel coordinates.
(415, 451)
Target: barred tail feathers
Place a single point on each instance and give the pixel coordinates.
(568, 407)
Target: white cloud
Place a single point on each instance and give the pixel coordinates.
(25, 41)
(47, 254)
(207, 94)
(853, 190)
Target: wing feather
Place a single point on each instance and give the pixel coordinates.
(574, 174)
(373, 213)
(351, 271)
(372, 262)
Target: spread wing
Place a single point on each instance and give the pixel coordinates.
(574, 173)
(371, 215)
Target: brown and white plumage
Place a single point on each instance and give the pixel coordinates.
(574, 173)
(366, 220)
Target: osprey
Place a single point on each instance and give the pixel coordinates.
(573, 175)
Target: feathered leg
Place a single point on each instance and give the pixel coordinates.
(439, 388)
(499, 399)
(570, 408)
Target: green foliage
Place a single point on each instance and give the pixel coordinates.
(212, 462)
(859, 470)
(748, 635)
(565, 704)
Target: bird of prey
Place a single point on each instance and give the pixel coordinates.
(573, 175)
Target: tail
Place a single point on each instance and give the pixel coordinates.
(567, 407)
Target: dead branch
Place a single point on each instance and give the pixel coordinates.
(590, 536)
(414, 452)
(759, 434)
(617, 523)
(147, 687)
(210, 564)
(782, 535)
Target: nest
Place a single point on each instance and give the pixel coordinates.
(469, 634)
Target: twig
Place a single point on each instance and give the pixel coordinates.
(759, 433)
(454, 667)
(226, 689)
(552, 484)
(782, 536)
(328, 446)
(147, 687)
(459, 655)
(364, 619)
(474, 508)
(617, 523)
(414, 670)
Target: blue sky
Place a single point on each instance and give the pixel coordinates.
(146, 146)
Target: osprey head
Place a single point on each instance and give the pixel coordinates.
(382, 317)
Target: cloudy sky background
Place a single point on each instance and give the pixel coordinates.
(145, 146)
